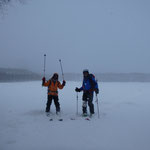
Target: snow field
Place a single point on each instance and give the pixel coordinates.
(124, 122)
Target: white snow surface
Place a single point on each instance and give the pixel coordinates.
(124, 122)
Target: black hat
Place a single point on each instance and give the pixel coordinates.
(85, 71)
(55, 76)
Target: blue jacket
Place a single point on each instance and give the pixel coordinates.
(89, 84)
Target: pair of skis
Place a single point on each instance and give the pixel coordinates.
(53, 117)
(60, 119)
(85, 117)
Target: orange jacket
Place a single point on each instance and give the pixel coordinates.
(52, 87)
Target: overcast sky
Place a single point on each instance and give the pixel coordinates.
(100, 35)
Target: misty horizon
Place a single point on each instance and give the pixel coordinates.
(59, 71)
(13, 75)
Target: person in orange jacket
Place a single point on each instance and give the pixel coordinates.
(53, 84)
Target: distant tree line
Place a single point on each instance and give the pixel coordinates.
(11, 75)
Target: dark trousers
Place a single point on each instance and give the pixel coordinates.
(49, 102)
(88, 98)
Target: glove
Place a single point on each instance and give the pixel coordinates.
(96, 91)
(43, 80)
(64, 83)
(77, 89)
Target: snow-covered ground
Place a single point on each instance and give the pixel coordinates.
(124, 123)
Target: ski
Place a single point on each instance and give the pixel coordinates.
(47, 114)
(72, 118)
(60, 119)
(51, 119)
(85, 117)
(88, 119)
(54, 117)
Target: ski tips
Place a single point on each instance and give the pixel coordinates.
(87, 119)
(60, 119)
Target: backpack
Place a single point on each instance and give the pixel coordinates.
(91, 81)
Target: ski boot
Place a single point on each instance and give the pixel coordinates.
(84, 115)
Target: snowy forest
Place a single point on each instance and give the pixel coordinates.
(12, 75)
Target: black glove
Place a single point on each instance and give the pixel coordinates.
(43, 80)
(64, 83)
(96, 91)
(77, 89)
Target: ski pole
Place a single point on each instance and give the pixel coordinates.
(97, 106)
(77, 104)
(61, 69)
(97, 102)
(44, 63)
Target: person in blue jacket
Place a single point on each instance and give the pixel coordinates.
(88, 87)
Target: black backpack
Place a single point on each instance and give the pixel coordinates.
(93, 84)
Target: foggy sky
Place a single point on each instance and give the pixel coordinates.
(100, 35)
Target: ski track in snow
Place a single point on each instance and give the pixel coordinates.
(124, 122)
